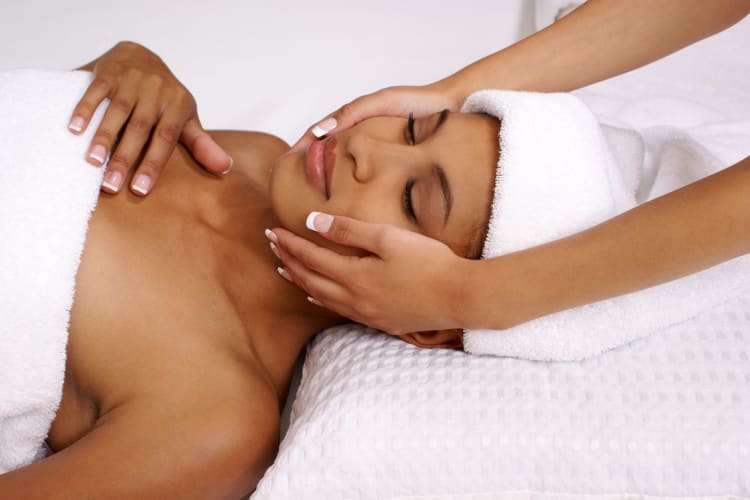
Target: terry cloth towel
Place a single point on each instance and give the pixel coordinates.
(47, 194)
(560, 172)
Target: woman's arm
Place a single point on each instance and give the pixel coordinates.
(413, 283)
(157, 450)
(150, 111)
(598, 40)
(690, 229)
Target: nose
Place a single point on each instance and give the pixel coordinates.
(362, 149)
(371, 156)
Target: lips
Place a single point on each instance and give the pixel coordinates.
(319, 163)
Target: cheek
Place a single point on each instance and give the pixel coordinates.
(290, 196)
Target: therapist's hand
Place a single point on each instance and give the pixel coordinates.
(408, 283)
(149, 112)
(391, 101)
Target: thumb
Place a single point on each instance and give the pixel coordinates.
(204, 149)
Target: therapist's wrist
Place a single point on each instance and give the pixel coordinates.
(452, 89)
(497, 294)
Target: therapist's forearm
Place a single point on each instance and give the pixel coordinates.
(690, 229)
(600, 39)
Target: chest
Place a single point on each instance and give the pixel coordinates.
(149, 312)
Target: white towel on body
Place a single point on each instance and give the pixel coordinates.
(47, 194)
(560, 172)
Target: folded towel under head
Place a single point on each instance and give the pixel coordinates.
(559, 172)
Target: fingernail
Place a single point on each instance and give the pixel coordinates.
(229, 168)
(98, 153)
(314, 301)
(271, 235)
(112, 180)
(142, 184)
(76, 124)
(324, 127)
(275, 250)
(283, 273)
(319, 222)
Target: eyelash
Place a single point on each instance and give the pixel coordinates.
(408, 207)
(410, 129)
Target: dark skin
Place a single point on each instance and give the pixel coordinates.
(183, 337)
(166, 376)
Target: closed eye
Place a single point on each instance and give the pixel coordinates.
(410, 129)
(406, 199)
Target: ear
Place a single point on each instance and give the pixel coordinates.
(445, 339)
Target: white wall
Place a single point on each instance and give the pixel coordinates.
(272, 66)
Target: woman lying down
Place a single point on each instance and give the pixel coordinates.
(166, 376)
(182, 337)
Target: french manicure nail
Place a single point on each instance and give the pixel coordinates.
(229, 168)
(142, 184)
(324, 127)
(314, 301)
(271, 235)
(76, 124)
(112, 180)
(98, 153)
(319, 222)
(283, 273)
(275, 250)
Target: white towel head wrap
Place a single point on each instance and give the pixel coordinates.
(555, 174)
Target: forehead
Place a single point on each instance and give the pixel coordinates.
(467, 149)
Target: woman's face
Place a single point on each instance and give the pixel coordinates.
(434, 176)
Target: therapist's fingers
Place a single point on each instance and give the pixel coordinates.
(391, 101)
(97, 91)
(350, 232)
(204, 149)
(324, 292)
(376, 104)
(320, 260)
(163, 141)
(120, 107)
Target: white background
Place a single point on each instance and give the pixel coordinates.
(270, 66)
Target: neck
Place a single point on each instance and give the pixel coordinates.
(276, 317)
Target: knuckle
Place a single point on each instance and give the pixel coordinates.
(119, 159)
(149, 166)
(121, 104)
(104, 136)
(135, 72)
(342, 230)
(347, 109)
(101, 84)
(303, 281)
(379, 237)
(169, 134)
(155, 80)
(140, 125)
(183, 97)
(305, 259)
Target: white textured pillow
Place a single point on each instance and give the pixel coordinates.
(666, 416)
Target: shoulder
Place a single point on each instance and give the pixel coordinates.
(250, 147)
